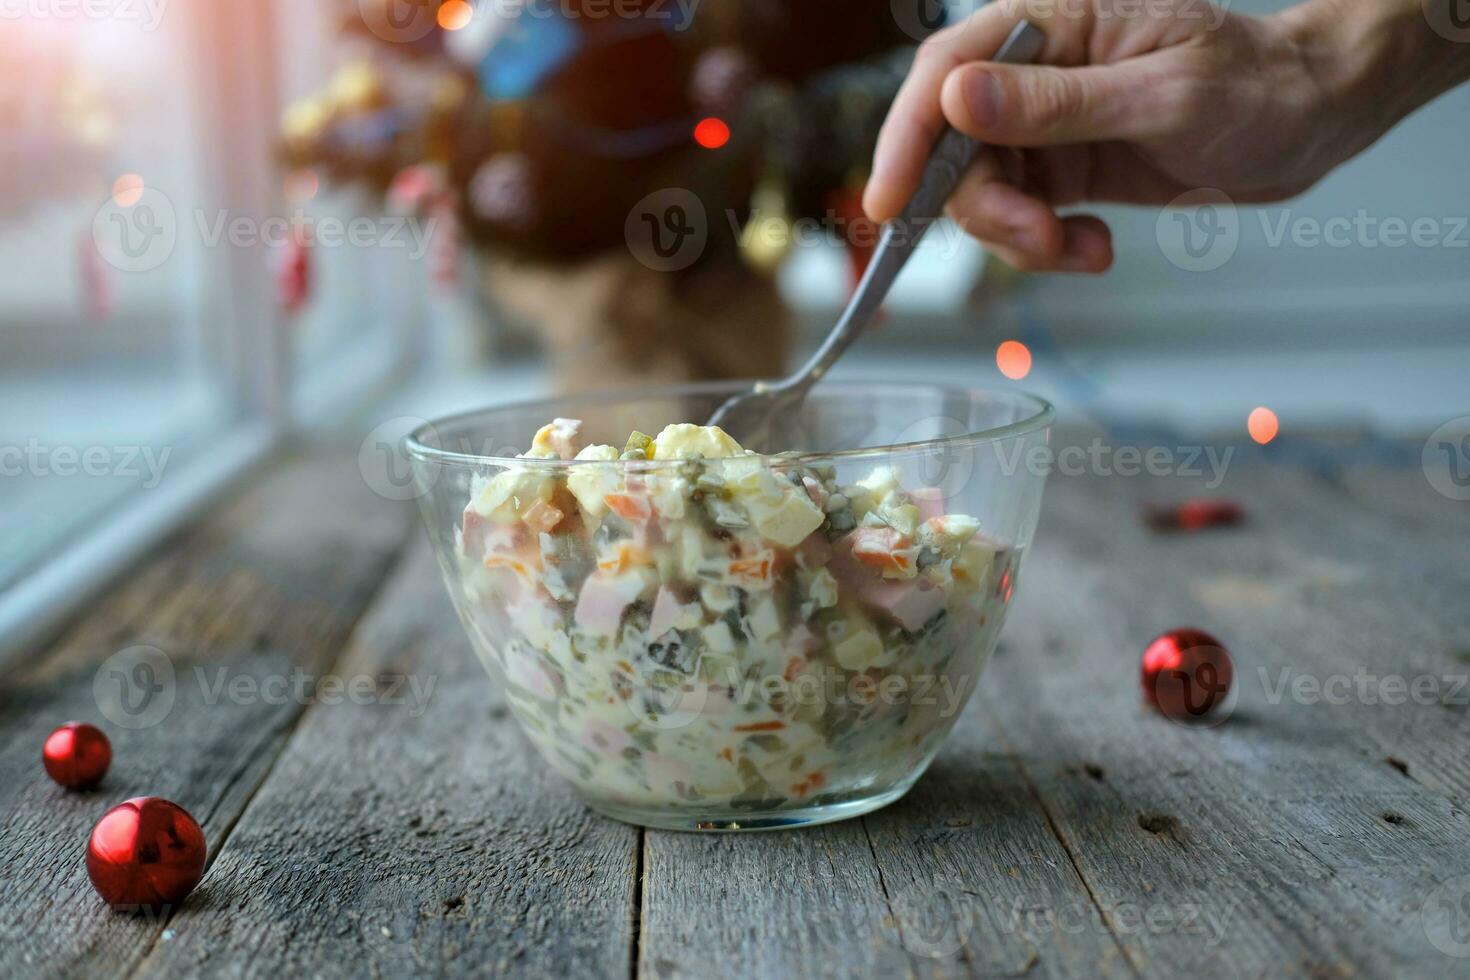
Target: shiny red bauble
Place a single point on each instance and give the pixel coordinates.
(145, 853)
(77, 755)
(1198, 514)
(1187, 674)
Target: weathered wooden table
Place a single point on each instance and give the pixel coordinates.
(1064, 830)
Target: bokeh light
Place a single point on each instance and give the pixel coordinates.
(455, 14)
(127, 190)
(301, 186)
(712, 133)
(1014, 359)
(1262, 425)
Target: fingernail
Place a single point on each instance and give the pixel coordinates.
(982, 96)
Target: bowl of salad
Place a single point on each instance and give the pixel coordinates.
(702, 637)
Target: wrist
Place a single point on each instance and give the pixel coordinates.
(1375, 61)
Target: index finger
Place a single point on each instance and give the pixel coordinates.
(915, 119)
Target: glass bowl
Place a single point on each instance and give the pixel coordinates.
(737, 643)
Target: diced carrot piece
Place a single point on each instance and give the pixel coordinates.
(793, 668)
(627, 555)
(881, 547)
(629, 507)
(761, 726)
(754, 570)
(542, 517)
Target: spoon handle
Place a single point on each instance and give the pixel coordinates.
(950, 159)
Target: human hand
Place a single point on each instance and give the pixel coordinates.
(1140, 102)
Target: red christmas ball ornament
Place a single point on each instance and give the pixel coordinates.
(145, 853)
(1187, 674)
(1198, 514)
(77, 755)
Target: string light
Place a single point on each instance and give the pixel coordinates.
(712, 133)
(1014, 359)
(1262, 424)
(455, 14)
(127, 190)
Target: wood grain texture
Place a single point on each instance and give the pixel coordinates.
(418, 837)
(272, 581)
(1288, 836)
(1064, 831)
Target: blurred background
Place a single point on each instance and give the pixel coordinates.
(225, 224)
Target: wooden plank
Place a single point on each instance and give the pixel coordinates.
(272, 581)
(1286, 837)
(424, 836)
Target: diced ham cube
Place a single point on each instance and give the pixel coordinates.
(911, 603)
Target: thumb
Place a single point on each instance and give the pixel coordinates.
(1042, 105)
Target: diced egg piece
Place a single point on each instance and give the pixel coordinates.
(510, 494)
(556, 439)
(709, 441)
(860, 648)
(589, 484)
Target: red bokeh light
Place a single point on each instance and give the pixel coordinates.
(712, 133)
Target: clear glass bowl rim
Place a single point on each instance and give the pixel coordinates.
(1042, 415)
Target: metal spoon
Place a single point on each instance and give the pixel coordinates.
(749, 415)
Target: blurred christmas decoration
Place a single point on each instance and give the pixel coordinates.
(293, 274)
(1186, 674)
(76, 755)
(547, 125)
(57, 128)
(1198, 514)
